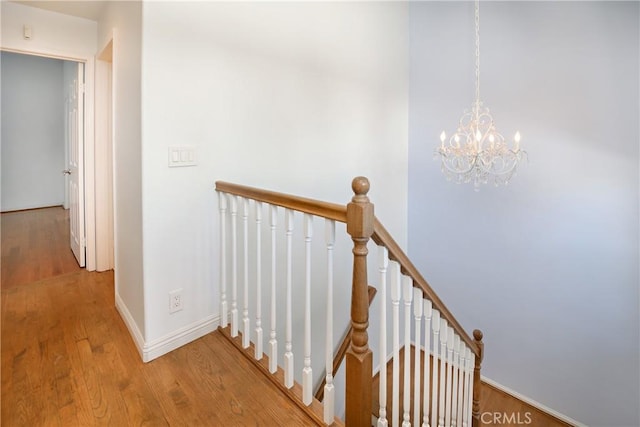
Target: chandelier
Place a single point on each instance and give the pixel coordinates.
(477, 152)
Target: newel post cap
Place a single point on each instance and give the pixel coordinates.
(360, 215)
(360, 186)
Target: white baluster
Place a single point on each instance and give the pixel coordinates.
(428, 312)
(224, 316)
(450, 343)
(435, 382)
(307, 373)
(458, 357)
(234, 267)
(258, 343)
(407, 294)
(273, 342)
(395, 302)
(383, 263)
(443, 370)
(417, 313)
(329, 388)
(468, 389)
(288, 355)
(246, 331)
(462, 383)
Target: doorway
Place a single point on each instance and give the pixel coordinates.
(97, 237)
(43, 138)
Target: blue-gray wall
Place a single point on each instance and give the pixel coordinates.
(548, 266)
(32, 132)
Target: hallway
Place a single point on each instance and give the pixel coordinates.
(68, 358)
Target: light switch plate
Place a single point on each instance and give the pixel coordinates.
(182, 155)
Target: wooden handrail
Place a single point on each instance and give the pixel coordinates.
(382, 237)
(328, 210)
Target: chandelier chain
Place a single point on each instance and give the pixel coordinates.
(477, 18)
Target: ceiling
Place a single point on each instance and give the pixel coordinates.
(88, 9)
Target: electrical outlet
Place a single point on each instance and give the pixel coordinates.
(175, 301)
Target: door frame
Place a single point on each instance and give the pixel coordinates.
(104, 159)
(89, 141)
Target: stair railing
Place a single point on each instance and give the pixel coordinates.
(361, 225)
(446, 377)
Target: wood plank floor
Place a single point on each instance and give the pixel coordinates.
(35, 245)
(68, 360)
(499, 408)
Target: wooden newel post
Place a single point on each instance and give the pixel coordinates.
(476, 421)
(359, 359)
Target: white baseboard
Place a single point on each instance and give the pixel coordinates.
(180, 337)
(163, 345)
(138, 339)
(533, 403)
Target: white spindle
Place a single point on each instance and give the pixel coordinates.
(428, 312)
(307, 378)
(462, 366)
(407, 294)
(234, 267)
(258, 343)
(329, 389)
(450, 342)
(417, 313)
(395, 302)
(383, 263)
(273, 342)
(222, 200)
(465, 367)
(443, 370)
(454, 396)
(468, 392)
(288, 355)
(246, 331)
(435, 382)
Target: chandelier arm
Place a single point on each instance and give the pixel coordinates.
(472, 165)
(494, 173)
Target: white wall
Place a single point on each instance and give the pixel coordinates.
(32, 137)
(295, 97)
(122, 21)
(52, 33)
(547, 267)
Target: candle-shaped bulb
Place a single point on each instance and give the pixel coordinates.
(457, 140)
(516, 138)
(492, 138)
(478, 135)
(443, 136)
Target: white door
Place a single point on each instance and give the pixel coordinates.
(75, 112)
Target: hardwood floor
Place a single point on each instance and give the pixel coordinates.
(67, 358)
(35, 245)
(497, 407)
